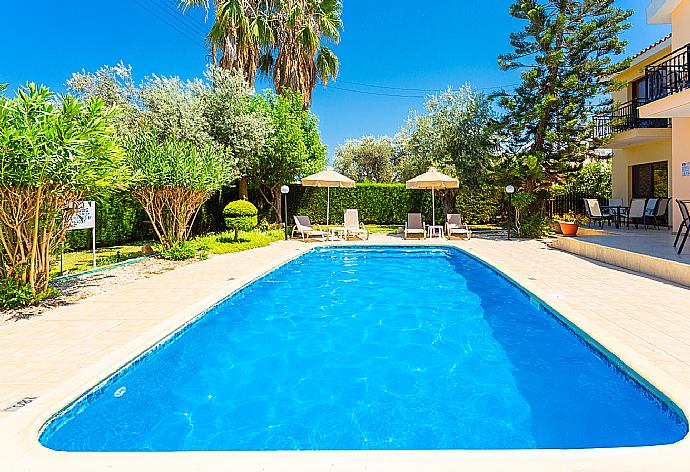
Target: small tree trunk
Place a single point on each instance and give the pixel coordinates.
(244, 188)
(277, 204)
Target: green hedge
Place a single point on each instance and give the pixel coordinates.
(389, 204)
(119, 220)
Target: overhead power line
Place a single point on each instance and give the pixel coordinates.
(388, 87)
(180, 18)
(196, 32)
(167, 22)
(182, 12)
(380, 94)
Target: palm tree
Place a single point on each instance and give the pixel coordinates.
(282, 38)
(300, 28)
(239, 31)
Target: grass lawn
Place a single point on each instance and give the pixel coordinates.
(219, 243)
(388, 229)
(224, 243)
(78, 261)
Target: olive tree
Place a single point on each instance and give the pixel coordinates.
(367, 159)
(53, 153)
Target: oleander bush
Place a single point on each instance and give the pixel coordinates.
(240, 215)
(54, 152)
(172, 179)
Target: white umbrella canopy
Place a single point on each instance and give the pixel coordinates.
(328, 178)
(432, 180)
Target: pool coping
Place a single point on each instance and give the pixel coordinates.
(21, 448)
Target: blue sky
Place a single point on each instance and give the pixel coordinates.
(405, 44)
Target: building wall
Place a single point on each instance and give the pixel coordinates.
(624, 159)
(681, 126)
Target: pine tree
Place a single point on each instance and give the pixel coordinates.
(567, 54)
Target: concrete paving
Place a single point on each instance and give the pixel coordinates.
(59, 355)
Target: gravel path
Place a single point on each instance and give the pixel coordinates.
(78, 288)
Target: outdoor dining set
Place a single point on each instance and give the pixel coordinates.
(641, 211)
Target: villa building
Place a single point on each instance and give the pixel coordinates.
(651, 127)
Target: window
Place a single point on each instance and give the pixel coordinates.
(639, 89)
(650, 180)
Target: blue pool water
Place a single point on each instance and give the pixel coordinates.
(370, 348)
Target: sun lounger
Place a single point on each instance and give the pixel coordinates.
(415, 226)
(307, 230)
(352, 225)
(455, 227)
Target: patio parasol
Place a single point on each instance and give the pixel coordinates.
(328, 178)
(433, 180)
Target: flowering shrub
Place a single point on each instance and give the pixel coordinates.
(571, 217)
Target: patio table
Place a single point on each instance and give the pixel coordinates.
(435, 231)
(619, 210)
(334, 233)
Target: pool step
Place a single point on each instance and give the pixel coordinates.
(664, 269)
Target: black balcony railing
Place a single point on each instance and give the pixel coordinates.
(668, 75)
(626, 117)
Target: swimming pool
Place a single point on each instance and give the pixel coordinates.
(370, 348)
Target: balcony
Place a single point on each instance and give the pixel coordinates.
(626, 128)
(668, 75)
(668, 86)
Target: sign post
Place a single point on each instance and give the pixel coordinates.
(85, 218)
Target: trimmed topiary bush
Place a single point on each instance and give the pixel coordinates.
(240, 215)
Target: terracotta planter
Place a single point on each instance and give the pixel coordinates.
(568, 229)
(556, 227)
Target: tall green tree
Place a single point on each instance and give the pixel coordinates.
(567, 54)
(367, 159)
(456, 133)
(293, 148)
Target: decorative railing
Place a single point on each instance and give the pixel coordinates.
(626, 117)
(668, 75)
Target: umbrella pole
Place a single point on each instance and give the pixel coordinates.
(433, 208)
(328, 206)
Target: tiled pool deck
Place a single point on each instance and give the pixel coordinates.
(57, 356)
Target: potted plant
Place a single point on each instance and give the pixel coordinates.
(570, 222)
(555, 224)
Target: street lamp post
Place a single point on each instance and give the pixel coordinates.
(510, 190)
(285, 190)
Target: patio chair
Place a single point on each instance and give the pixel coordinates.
(636, 212)
(661, 213)
(684, 224)
(307, 230)
(650, 210)
(415, 225)
(615, 205)
(455, 226)
(353, 226)
(595, 213)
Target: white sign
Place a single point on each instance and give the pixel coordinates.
(685, 169)
(84, 217)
